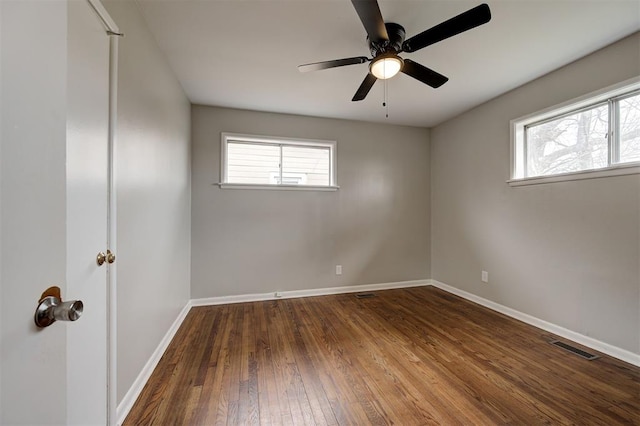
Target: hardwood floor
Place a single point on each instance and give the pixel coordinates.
(408, 357)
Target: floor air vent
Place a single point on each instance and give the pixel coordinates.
(574, 350)
(365, 295)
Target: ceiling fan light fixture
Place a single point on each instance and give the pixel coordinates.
(384, 67)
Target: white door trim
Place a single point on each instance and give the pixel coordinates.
(104, 16)
(112, 394)
(114, 34)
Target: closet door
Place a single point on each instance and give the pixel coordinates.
(87, 213)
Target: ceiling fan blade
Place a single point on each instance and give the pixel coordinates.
(364, 88)
(423, 74)
(316, 66)
(465, 21)
(369, 13)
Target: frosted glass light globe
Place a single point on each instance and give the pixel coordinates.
(386, 67)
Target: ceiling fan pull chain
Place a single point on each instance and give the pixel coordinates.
(385, 103)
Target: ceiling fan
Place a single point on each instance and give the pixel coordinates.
(386, 41)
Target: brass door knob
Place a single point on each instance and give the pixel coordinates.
(101, 258)
(110, 256)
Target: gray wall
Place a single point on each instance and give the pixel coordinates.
(567, 253)
(255, 241)
(153, 195)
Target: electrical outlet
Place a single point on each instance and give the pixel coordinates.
(485, 277)
(338, 269)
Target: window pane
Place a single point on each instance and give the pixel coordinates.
(303, 165)
(569, 144)
(252, 163)
(629, 133)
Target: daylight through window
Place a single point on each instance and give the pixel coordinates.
(593, 134)
(277, 162)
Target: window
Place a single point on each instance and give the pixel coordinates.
(266, 162)
(597, 135)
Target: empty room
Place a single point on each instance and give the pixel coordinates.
(308, 212)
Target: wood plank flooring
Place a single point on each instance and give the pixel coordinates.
(408, 357)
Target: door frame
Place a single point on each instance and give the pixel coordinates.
(114, 35)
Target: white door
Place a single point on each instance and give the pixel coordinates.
(54, 68)
(32, 216)
(87, 208)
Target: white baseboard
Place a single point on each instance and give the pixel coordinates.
(256, 297)
(138, 384)
(590, 342)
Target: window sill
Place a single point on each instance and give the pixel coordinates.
(620, 170)
(277, 187)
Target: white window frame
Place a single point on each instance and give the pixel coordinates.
(518, 127)
(280, 141)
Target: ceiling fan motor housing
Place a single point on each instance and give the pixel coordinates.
(393, 45)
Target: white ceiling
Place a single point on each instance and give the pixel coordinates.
(245, 53)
